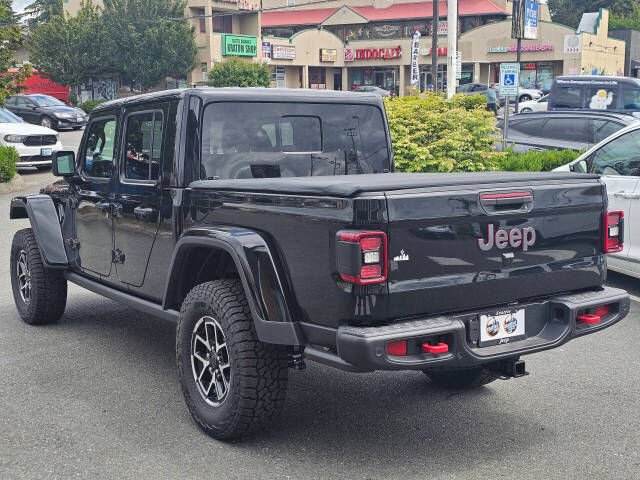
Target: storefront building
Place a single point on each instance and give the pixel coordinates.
(373, 46)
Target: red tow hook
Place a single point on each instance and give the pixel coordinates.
(439, 348)
(589, 318)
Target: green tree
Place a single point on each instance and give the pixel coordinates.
(148, 40)
(42, 11)
(569, 12)
(626, 20)
(239, 73)
(10, 39)
(71, 50)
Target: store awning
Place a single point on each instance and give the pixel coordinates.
(404, 11)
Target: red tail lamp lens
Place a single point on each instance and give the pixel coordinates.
(397, 348)
(602, 310)
(370, 271)
(588, 319)
(613, 232)
(370, 243)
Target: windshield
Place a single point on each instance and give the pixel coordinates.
(47, 101)
(7, 117)
(261, 140)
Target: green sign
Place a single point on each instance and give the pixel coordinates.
(240, 45)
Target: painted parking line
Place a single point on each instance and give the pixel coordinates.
(634, 298)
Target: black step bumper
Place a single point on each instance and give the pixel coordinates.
(550, 323)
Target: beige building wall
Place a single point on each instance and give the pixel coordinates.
(599, 52)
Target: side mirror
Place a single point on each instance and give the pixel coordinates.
(63, 163)
(579, 167)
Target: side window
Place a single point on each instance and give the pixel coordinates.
(601, 129)
(99, 147)
(572, 129)
(23, 102)
(529, 127)
(10, 101)
(631, 99)
(143, 137)
(602, 98)
(567, 97)
(618, 157)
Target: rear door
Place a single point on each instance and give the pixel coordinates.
(137, 204)
(456, 248)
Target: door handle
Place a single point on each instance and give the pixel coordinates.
(146, 213)
(627, 195)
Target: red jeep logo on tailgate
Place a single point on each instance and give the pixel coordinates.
(516, 237)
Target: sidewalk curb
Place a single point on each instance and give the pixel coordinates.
(14, 185)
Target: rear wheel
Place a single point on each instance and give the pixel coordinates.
(461, 379)
(525, 98)
(232, 383)
(40, 293)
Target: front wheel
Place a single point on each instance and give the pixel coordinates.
(40, 293)
(461, 379)
(232, 383)
(525, 98)
(47, 122)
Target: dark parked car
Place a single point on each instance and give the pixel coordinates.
(264, 223)
(473, 89)
(371, 89)
(46, 111)
(562, 130)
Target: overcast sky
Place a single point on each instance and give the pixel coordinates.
(18, 5)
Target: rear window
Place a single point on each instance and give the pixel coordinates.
(571, 129)
(602, 98)
(260, 140)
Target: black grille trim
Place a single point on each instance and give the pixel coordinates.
(40, 140)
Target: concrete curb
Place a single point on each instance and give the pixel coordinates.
(13, 185)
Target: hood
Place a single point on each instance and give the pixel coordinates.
(65, 109)
(25, 129)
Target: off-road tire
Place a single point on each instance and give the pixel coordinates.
(48, 291)
(258, 371)
(461, 379)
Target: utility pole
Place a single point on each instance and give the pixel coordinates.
(452, 47)
(434, 43)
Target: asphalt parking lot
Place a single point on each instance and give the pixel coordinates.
(96, 396)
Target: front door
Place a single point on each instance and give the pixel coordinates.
(619, 164)
(94, 229)
(137, 206)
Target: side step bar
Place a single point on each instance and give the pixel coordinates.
(122, 297)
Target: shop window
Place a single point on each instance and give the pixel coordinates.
(631, 99)
(221, 23)
(570, 129)
(317, 77)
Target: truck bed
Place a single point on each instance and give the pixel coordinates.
(348, 186)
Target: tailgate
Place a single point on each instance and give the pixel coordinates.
(491, 244)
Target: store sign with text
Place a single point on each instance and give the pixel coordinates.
(545, 47)
(428, 51)
(283, 52)
(328, 54)
(240, 45)
(351, 54)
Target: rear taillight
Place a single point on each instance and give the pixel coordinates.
(613, 232)
(362, 257)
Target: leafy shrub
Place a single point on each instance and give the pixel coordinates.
(8, 159)
(534, 161)
(434, 134)
(239, 73)
(89, 105)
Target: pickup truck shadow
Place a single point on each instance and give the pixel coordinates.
(382, 422)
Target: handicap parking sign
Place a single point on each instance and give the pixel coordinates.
(509, 79)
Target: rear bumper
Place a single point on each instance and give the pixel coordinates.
(550, 323)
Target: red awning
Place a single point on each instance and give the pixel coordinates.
(394, 12)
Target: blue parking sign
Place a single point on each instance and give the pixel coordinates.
(509, 79)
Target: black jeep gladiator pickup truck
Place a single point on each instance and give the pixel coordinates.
(270, 226)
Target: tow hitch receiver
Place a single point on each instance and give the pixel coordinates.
(511, 369)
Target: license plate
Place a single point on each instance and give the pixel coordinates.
(45, 152)
(504, 326)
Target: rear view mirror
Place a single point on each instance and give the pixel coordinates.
(64, 163)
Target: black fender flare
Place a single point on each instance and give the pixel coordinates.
(255, 265)
(42, 213)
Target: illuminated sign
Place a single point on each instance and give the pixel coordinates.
(545, 47)
(376, 53)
